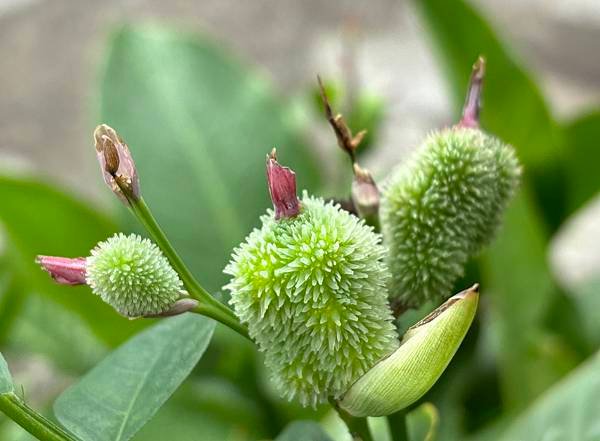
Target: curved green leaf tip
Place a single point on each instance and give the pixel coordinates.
(6, 384)
(405, 376)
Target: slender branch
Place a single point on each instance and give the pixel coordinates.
(347, 142)
(358, 427)
(209, 306)
(365, 194)
(398, 427)
(34, 423)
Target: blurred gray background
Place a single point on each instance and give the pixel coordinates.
(52, 52)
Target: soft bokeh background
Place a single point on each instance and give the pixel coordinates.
(250, 85)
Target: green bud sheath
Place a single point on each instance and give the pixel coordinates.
(133, 276)
(445, 204)
(407, 374)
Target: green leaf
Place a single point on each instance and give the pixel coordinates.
(199, 125)
(423, 423)
(114, 400)
(176, 422)
(514, 109)
(6, 384)
(39, 219)
(519, 282)
(303, 431)
(587, 301)
(568, 411)
(582, 159)
(12, 298)
(46, 328)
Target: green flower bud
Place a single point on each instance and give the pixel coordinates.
(133, 276)
(312, 289)
(406, 375)
(444, 205)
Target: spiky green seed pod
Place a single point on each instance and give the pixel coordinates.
(443, 206)
(133, 276)
(312, 289)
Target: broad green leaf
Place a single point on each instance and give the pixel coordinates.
(303, 431)
(224, 400)
(116, 398)
(514, 108)
(207, 409)
(39, 219)
(517, 277)
(587, 301)
(12, 298)
(176, 422)
(6, 384)
(46, 328)
(199, 125)
(423, 423)
(582, 159)
(568, 411)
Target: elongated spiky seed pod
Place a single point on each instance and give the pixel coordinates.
(133, 276)
(445, 204)
(311, 286)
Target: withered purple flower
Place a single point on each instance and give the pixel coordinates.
(116, 162)
(472, 106)
(64, 270)
(282, 188)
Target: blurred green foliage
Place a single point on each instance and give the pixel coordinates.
(199, 123)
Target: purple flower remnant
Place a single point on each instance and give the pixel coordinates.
(64, 270)
(282, 188)
(118, 168)
(470, 116)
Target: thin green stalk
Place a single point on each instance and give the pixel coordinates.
(398, 427)
(209, 306)
(373, 220)
(358, 427)
(34, 423)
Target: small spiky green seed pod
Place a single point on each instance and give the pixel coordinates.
(445, 204)
(312, 289)
(133, 276)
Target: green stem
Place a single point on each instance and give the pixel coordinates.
(373, 220)
(358, 427)
(397, 422)
(209, 306)
(34, 423)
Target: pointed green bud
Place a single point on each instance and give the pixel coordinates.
(134, 277)
(445, 204)
(407, 374)
(312, 290)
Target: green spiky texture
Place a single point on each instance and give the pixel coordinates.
(312, 290)
(133, 276)
(443, 206)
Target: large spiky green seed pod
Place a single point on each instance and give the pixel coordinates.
(444, 205)
(133, 276)
(311, 286)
